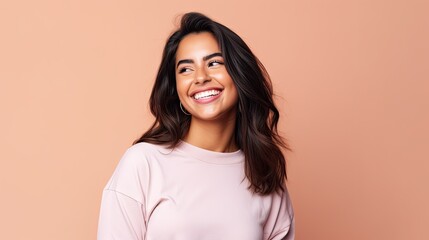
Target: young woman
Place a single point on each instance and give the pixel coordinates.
(211, 166)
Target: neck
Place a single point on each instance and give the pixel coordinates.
(215, 136)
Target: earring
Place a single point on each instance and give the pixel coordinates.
(183, 110)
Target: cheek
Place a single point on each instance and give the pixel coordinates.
(221, 75)
(179, 89)
(182, 87)
(224, 78)
(229, 82)
(180, 84)
(232, 90)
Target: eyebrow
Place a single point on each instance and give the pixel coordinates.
(205, 58)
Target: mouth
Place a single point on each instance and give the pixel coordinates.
(206, 94)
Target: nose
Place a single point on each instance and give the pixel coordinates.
(202, 75)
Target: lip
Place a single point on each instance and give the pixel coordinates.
(209, 99)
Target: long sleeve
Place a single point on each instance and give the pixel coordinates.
(121, 217)
(189, 193)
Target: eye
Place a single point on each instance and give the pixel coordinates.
(184, 69)
(215, 63)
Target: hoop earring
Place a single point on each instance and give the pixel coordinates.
(183, 110)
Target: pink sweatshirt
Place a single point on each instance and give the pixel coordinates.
(189, 193)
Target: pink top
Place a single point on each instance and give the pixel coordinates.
(189, 193)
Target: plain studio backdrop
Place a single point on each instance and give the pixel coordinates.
(352, 85)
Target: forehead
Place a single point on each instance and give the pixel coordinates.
(197, 45)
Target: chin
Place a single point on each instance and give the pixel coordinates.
(213, 116)
(206, 117)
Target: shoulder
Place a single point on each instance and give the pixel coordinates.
(140, 153)
(133, 170)
(144, 148)
(283, 204)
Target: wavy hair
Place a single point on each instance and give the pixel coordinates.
(256, 121)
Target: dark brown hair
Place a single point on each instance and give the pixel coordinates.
(256, 124)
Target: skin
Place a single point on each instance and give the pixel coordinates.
(200, 67)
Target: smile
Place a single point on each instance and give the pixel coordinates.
(206, 94)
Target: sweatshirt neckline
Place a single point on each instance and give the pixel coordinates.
(209, 156)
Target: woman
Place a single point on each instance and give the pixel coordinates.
(210, 167)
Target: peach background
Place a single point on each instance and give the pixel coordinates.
(352, 79)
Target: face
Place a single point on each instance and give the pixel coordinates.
(203, 84)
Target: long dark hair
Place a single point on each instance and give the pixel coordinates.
(256, 124)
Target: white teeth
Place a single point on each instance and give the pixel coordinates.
(206, 94)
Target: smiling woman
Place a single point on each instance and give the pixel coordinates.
(204, 86)
(211, 165)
